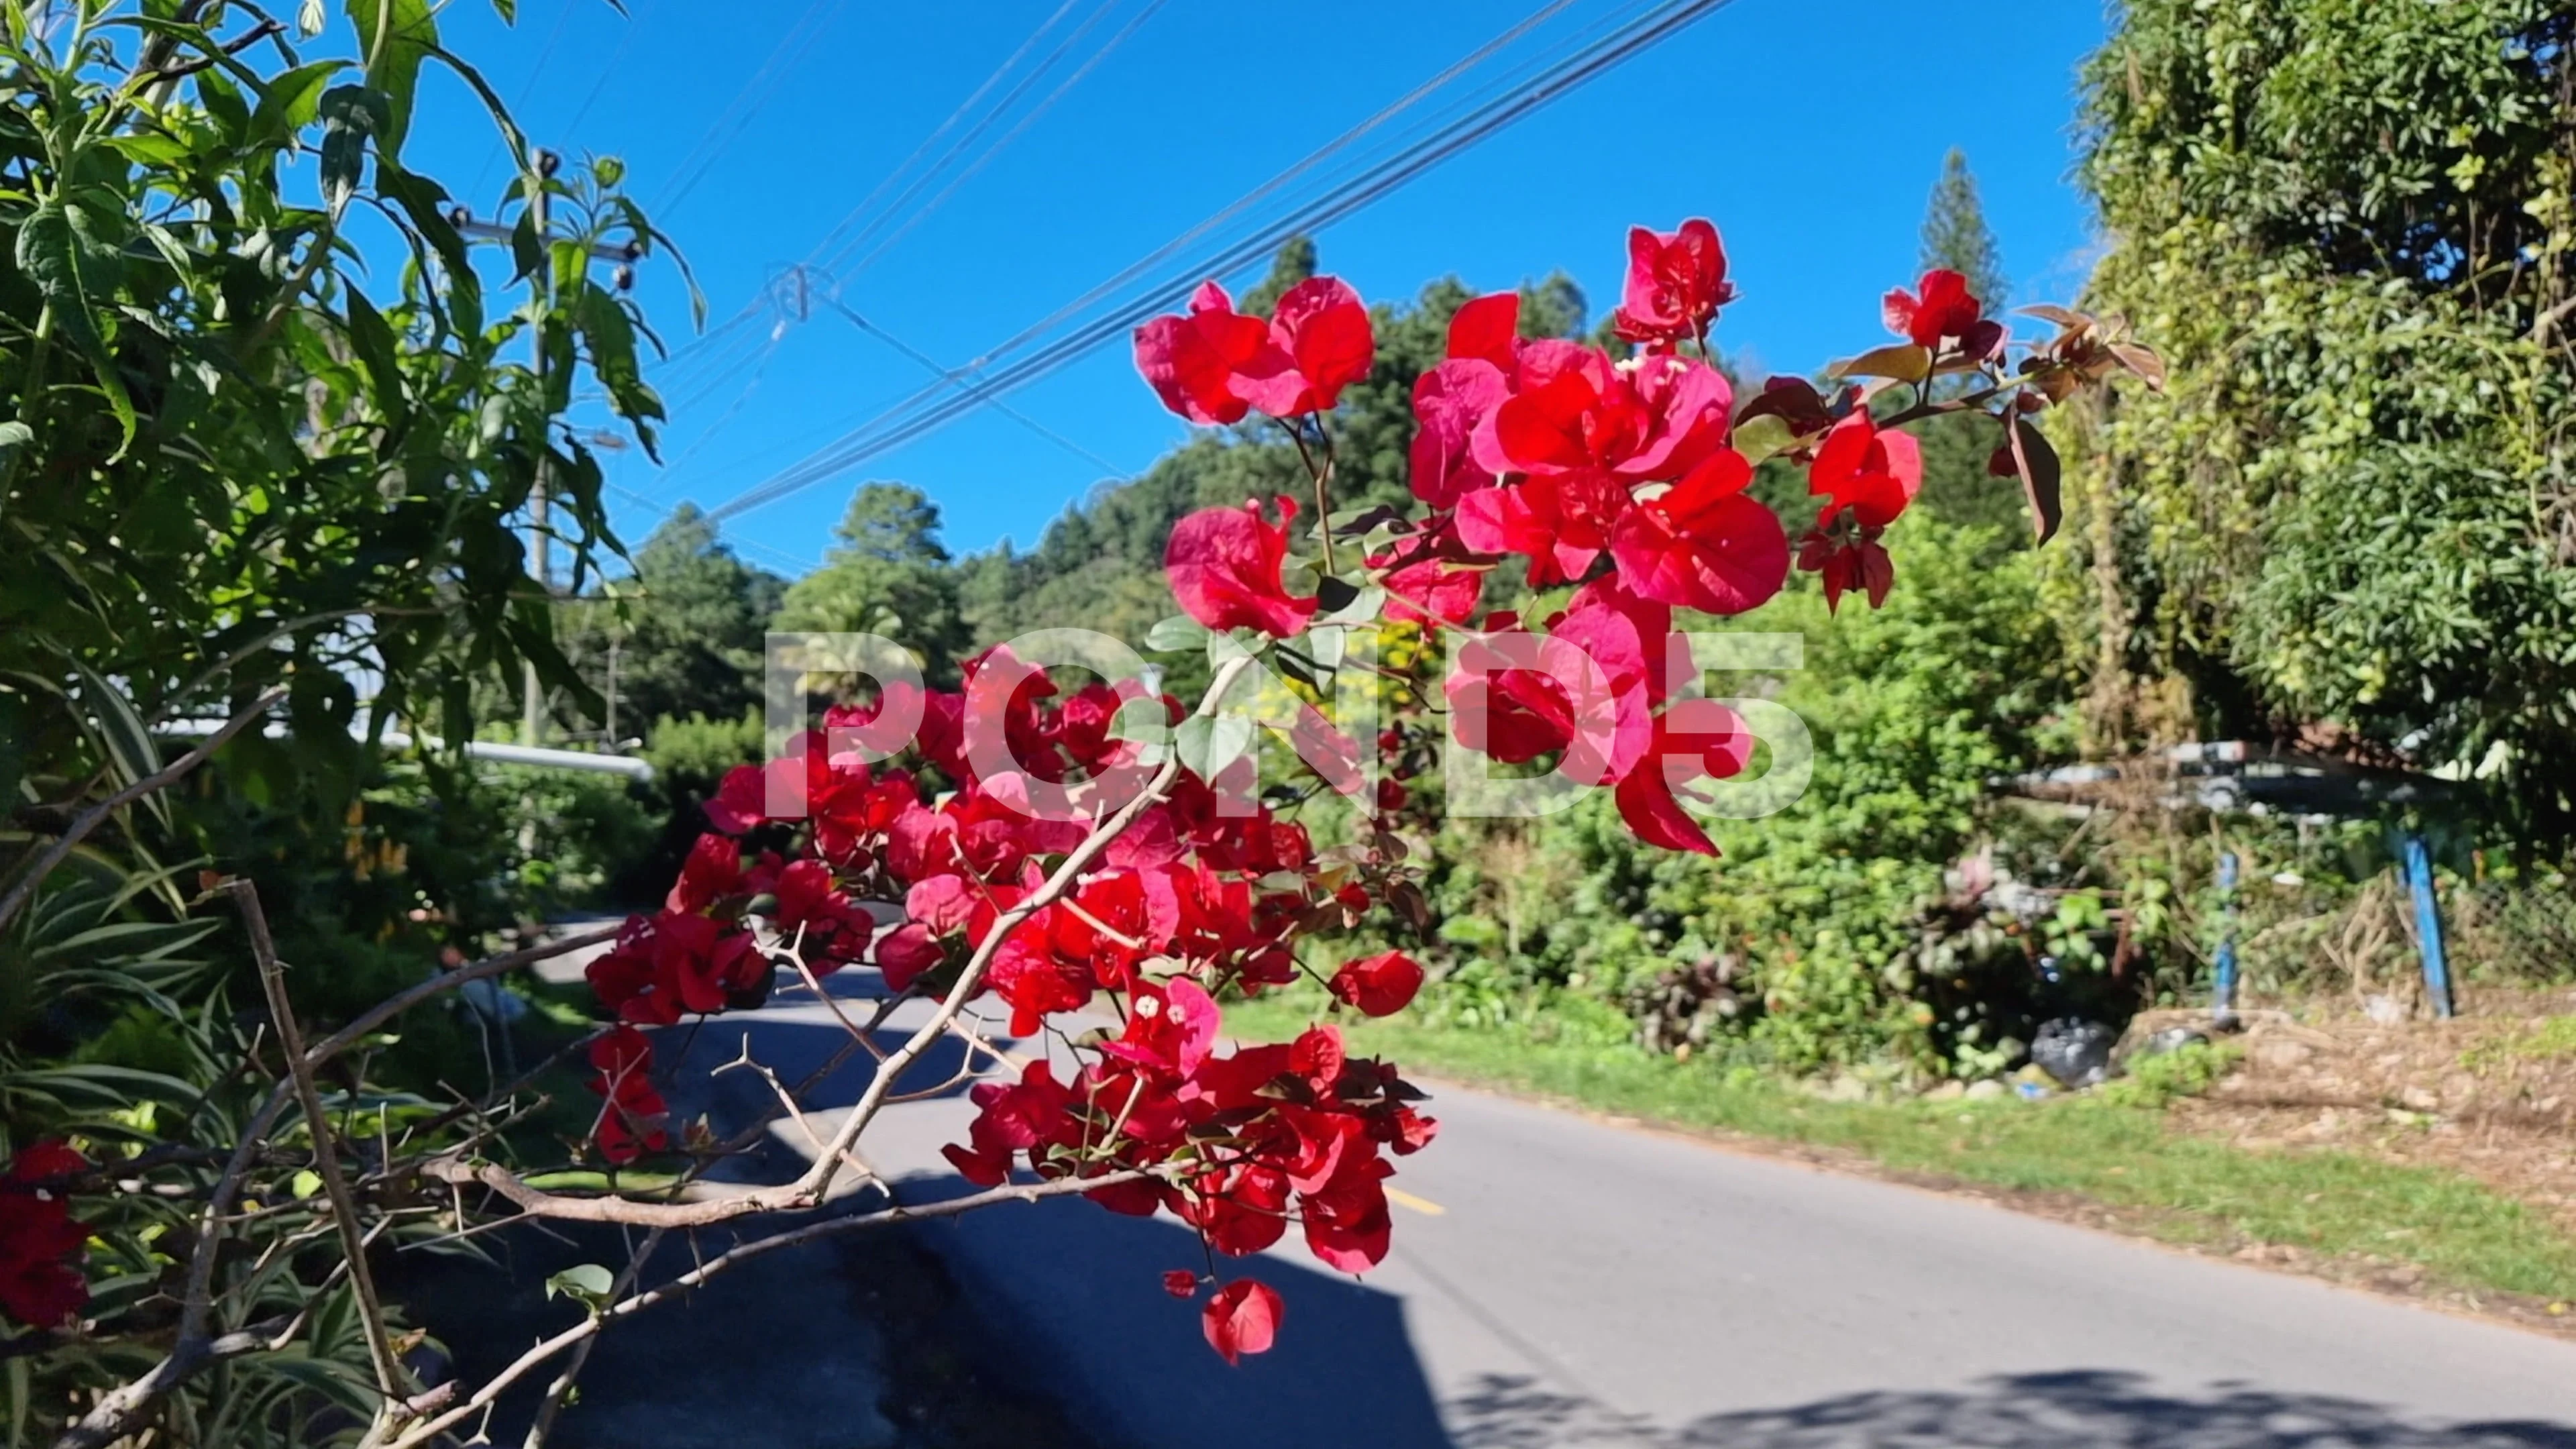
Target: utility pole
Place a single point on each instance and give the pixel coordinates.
(532, 718)
(540, 538)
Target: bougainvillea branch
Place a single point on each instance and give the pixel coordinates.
(546, 1350)
(1622, 479)
(1104, 869)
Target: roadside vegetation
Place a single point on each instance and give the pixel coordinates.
(2344, 1213)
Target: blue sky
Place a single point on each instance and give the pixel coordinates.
(1809, 134)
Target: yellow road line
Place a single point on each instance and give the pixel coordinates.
(1424, 1206)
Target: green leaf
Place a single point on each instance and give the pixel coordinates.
(77, 272)
(424, 204)
(304, 1184)
(373, 341)
(224, 106)
(351, 117)
(1361, 607)
(588, 1282)
(1763, 437)
(1209, 743)
(609, 334)
(1178, 634)
(291, 101)
(394, 36)
(121, 730)
(139, 941)
(1144, 723)
(1903, 361)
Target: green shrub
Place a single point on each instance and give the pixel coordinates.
(1912, 709)
(2162, 1078)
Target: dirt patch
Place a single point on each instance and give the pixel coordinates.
(2490, 1093)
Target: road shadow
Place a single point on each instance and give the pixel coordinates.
(1078, 1291)
(1063, 1301)
(2103, 1408)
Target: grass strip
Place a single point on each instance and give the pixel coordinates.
(2194, 1189)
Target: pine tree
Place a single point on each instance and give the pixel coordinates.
(687, 633)
(1955, 234)
(1956, 485)
(890, 576)
(1294, 263)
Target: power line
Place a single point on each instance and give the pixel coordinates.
(625, 38)
(974, 132)
(1248, 199)
(1031, 119)
(700, 161)
(527, 88)
(945, 375)
(1225, 214)
(662, 512)
(684, 358)
(870, 441)
(1008, 64)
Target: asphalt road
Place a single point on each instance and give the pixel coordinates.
(1558, 1280)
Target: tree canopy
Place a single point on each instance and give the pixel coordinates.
(2347, 225)
(890, 576)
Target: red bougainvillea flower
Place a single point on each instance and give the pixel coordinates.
(1846, 564)
(1695, 739)
(1170, 1030)
(632, 1115)
(1015, 1117)
(1379, 985)
(1036, 982)
(1450, 402)
(1488, 329)
(740, 802)
(1224, 565)
(1319, 344)
(1586, 687)
(904, 953)
(40, 1244)
(1453, 400)
(712, 872)
(1429, 576)
(1703, 544)
(1875, 474)
(1559, 526)
(1676, 282)
(1192, 361)
(1945, 311)
(1181, 1283)
(1573, 410)
(1346, 1219)
(668, 965)
(815, 916)
(1242, 1318)
(1686, 402)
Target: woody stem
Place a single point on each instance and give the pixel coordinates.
(1322, 474)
